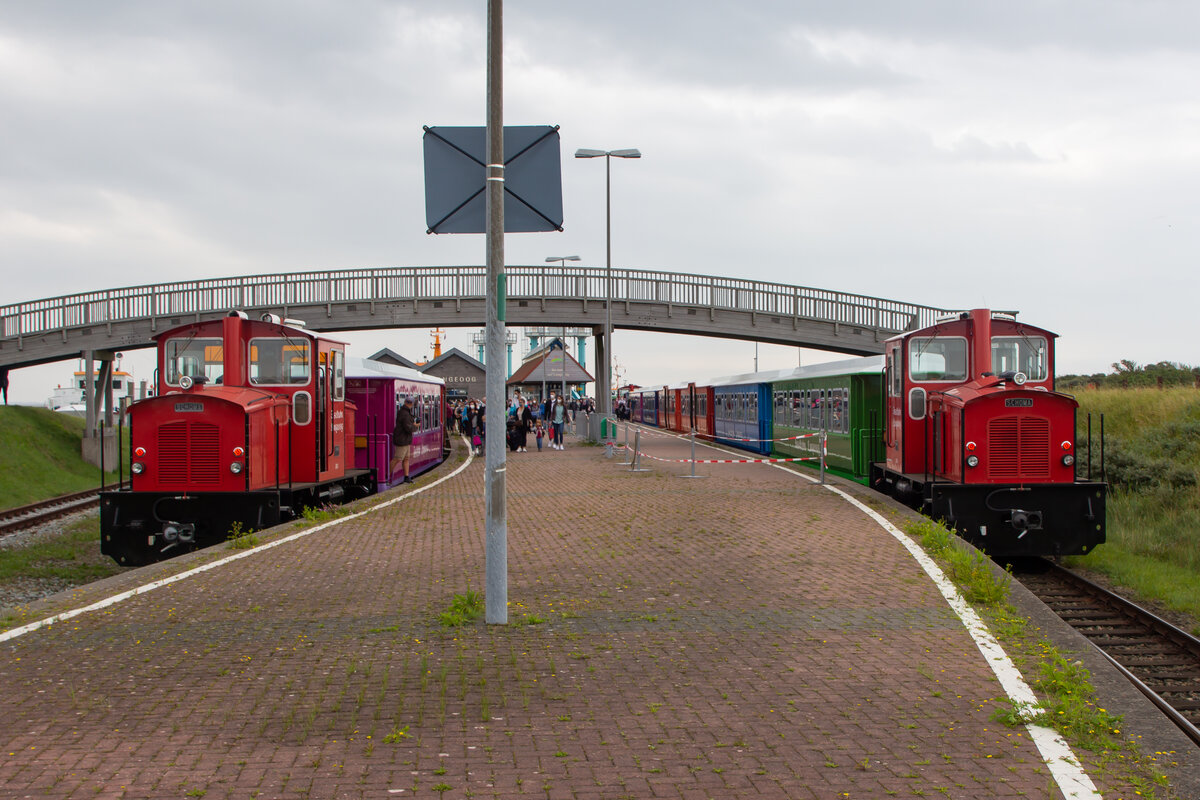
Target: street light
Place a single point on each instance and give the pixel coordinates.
(562, 262)
(606, 395)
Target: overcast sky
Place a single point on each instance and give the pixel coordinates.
(1039, 156)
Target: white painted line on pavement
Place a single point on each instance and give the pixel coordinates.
(1064, 766)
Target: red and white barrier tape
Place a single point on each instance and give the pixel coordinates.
(724, 460)
(656, 431)
(783, 439)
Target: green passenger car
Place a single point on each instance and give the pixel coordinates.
(843, 398)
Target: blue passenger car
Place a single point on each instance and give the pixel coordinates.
(742, 411)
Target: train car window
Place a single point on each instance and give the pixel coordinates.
(193, 357)
(301, 408)
(940, 358)
(339, 375)
(1028, 354)
(280, 362)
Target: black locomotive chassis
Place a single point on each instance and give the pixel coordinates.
(1072, 516)
(1067, 518)
(131, 523)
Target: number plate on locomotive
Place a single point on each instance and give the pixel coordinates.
(1018, 402)
(181, 408)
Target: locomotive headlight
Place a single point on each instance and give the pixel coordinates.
(1066, 445)
(971, 447)
(1068, 460)
(972, 461)
(238, 452)
(235, 467)
(1020, 378)
(140, 452)
(137, 468)
(185, 382)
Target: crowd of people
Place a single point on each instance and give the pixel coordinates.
(524, 418)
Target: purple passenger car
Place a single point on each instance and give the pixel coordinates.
(377, 391)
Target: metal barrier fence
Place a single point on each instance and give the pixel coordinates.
(454, 283)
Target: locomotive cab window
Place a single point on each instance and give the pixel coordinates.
(938, 358)
(916, 402)
(280, 362)
(194, 357)
(1028, 354)
(301, 408)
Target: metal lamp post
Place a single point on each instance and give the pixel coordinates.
(606, 395)
(562, 262)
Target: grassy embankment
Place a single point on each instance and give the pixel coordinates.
(1152, 461)
(40, 458)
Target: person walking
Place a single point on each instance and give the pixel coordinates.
(558, 420)
(524, 425)
(402, 437)
(471, 428)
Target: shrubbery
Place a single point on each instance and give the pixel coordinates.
(1128, 374)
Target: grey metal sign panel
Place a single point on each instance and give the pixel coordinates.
(456, 176)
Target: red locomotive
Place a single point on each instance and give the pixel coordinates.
(975, 435)
(960, 420)
(249, 425)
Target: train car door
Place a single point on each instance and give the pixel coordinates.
(894, 405)
(324, 417)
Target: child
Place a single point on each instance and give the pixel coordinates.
(540, 431)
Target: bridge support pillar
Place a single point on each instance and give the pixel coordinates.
(603, 387)
(92, 379)
(101, 451)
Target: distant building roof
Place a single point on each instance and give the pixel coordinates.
(550, 369)
(453, 351)
(388, 356)
(536, 353)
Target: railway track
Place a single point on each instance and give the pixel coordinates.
(1159, 658)
(35, 514)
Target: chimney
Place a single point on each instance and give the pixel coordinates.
(981, 322)
(232, 349)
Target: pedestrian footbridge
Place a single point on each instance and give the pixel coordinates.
(59, 328)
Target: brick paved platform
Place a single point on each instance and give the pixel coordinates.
(746, 635)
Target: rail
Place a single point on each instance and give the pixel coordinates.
(381, 285)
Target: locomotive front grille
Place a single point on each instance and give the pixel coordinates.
(1019, 448)
(189, 453)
